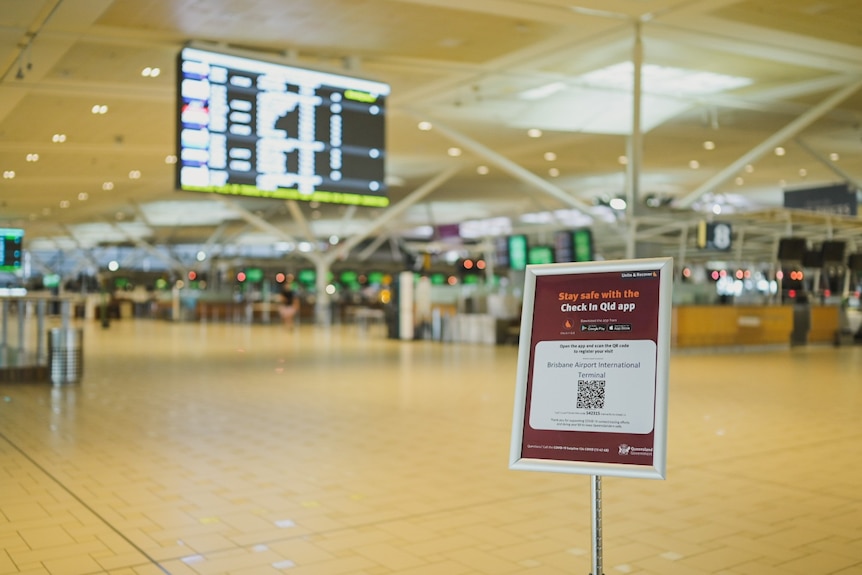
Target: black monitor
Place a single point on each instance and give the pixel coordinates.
(812, 259)
(833, 251)
(250, 127)
(11, 249)
(854, 262)
(792, 249)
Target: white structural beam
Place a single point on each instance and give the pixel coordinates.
(837, 170)
(301, 220)
(784, 134)
(393, 212)
(372, 247)
(510, 167)
(255, 220)
(174, 264)
(633, 168)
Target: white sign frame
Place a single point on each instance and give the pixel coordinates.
(658, 469)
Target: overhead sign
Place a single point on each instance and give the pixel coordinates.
(838, 199)
(591, 394)
(714, 236)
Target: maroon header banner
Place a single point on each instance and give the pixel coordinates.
(591, 394)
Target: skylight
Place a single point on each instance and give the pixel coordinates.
(664, 80)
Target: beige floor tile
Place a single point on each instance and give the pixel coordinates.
(316, 452)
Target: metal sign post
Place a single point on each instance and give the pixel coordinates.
(593, 355)
(596, 491)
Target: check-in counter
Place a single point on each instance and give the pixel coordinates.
(825, 324)
(715, 326)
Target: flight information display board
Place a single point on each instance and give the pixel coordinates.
(255, 128)
(11, 249)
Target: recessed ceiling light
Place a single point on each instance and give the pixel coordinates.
(454, 152)
(58, 138)
(834, 156)
(99, 109)
(150, 72)
(618, 204)
(32, 157)
(624, 160)
(739, 181)
(425, 126)
(749, 168)
(83, 196)
(482, 170)
(170, 159)
(694, 164)
(709, 145)
(553, 172)
(107, 186)
(550, 156)
(64, 204)
(803, 172)
(8, 174)
(135, 175)
(779, 151)
(534, 133)
(716, 209)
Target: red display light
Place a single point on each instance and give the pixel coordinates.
(740, 274)
(240, 277)
(280, 277)
(686, 272)
(792, 293)
(715, 275)
(192, 276)
(779, 275)
(452, 280)
(480, 264)
(468, 264)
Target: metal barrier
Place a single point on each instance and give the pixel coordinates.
(23, 355)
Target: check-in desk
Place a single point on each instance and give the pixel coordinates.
(716, 326)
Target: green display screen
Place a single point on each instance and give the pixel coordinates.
(518, 252)
(540, 255)
(51, 280)
(254, 275)
(375, 278)
(348, 277)
(307, 277)
(11, 249)
(583, 240)
(438, 279)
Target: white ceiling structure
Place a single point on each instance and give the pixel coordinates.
(529, 102)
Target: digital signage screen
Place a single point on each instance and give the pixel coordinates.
(255, 128)
(11, 249)
(518, 252)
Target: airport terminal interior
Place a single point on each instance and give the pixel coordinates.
(285, 287)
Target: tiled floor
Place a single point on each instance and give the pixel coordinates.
(224, 449)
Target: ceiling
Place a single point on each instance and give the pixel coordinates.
(475, 70)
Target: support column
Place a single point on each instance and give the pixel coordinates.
(322, 301)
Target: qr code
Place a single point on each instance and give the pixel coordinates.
(591, 393)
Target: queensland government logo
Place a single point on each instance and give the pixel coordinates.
(626, 449)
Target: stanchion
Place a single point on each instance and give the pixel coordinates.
(596, 490)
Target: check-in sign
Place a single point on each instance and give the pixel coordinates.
(591, 393)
